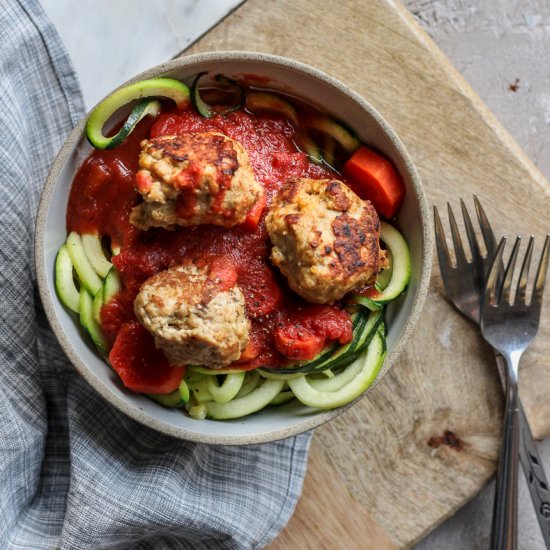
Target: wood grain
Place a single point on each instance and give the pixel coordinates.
(426, 439)
(318, 522)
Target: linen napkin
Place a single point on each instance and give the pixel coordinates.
(75, 473)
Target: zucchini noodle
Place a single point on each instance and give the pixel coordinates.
(86, 280)
(336, 376)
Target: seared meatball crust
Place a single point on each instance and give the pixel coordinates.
(325, 238)
(193, 318)
(191, 179)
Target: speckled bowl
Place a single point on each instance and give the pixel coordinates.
(276, 422)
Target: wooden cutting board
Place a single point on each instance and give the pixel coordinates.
(425, 440)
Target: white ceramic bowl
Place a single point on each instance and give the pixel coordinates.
(274, 423)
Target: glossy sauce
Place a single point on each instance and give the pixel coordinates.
(103, 195)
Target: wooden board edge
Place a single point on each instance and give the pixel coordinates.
(466, 89)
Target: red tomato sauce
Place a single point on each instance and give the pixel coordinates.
(283, 325)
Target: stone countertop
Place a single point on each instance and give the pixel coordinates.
(501, 47)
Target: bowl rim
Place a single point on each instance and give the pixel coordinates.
(135, 412)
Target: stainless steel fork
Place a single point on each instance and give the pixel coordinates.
(509, 322)
(464, 283)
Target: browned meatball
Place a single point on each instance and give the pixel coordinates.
(193, 179)
(325, 238)
(193, 315)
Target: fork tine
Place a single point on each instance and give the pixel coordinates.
(509, 273)
(457, 241)
(492, 290)
(486, 230)
(524, 274)
(472, 239)
(541, 273)
(441, 243)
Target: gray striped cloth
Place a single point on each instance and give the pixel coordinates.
(74, 472)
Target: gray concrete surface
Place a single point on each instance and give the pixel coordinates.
(502, 48)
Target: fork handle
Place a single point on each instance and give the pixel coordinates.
(504, 532)
(535, 477)
(532, 465)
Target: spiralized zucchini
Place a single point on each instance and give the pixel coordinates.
(86, 279)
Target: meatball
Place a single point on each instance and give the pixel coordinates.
(196, 316)
(193, 179)
(325, 238)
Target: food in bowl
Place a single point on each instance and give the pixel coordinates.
(194, 169)
(225, 253)
(326, 240)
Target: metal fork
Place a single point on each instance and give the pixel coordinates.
(464, 283)
(509, 322)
